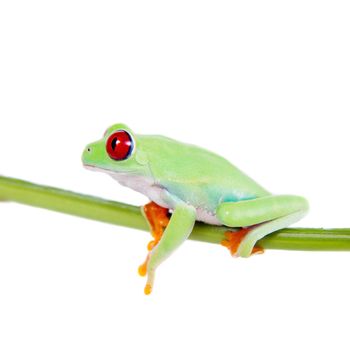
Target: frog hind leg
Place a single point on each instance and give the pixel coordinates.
(258, 218)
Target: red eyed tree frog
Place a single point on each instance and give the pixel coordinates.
(192, 184)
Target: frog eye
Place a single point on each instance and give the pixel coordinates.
(119, 145)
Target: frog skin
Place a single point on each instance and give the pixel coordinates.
(193, 184)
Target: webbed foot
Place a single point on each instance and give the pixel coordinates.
(234, 238)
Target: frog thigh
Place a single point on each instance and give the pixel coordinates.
(270, 213)
(255, 211)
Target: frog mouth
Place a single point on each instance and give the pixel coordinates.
(91, 167)
(105, 170)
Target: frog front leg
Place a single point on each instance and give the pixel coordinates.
(177, 231)
(259, 217)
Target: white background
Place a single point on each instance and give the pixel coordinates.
(264, 83)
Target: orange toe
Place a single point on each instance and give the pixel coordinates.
(143, 269)
(148, 289)
(234, 238)
(257, 250)
(152, 244)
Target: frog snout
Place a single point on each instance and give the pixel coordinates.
(88, 150)
(87, 154)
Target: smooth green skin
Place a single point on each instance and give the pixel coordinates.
(191, 180)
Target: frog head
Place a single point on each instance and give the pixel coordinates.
(118, 152)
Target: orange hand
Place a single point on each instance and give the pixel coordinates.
(158, 219)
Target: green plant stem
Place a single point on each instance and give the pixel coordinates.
(130, 216)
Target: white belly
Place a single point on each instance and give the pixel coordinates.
(145, 186)
(158, 195)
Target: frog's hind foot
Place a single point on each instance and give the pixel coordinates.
(158, 219)
(233, 240)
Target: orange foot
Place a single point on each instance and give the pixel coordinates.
(158, 219)
(234, 238)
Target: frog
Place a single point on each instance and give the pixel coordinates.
(186, 183)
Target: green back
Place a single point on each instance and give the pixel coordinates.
(196, 175)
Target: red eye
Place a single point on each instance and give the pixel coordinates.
(119, 145)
